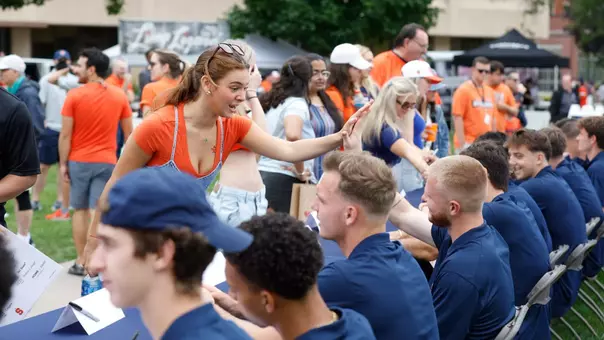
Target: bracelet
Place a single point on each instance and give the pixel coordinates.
(248, 98)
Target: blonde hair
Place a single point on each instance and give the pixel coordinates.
(384, 109)
(250, 58)
(367, 82)
(462, 179)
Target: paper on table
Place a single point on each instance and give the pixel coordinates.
(35, 272)
(98, 304)
(214, 274)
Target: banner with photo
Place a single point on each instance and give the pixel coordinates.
(185, 38)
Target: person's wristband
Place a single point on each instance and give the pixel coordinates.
(253, 95)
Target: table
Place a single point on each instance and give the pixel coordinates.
(39, 327)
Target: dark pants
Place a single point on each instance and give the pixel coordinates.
(278, 190)
(120, 140)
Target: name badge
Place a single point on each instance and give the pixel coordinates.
(487, 119)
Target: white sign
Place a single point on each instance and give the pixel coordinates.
(97, 312)
(35, 272)
(214, 274)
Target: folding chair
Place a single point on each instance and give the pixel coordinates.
(539, 295)
(575, 263)
(556, 255)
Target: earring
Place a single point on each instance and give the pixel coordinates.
(209, 92)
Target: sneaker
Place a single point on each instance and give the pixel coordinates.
(36, 206)
(77, 269)
(56, 206)
(31, 242)
(58, 215)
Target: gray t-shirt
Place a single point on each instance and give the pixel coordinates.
(52, 97)
(292, 106)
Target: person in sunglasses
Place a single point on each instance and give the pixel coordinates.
(166, 69)
(473, 106)
(388, 128)
(197, 128)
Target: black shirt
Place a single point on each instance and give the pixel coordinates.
(18, 149)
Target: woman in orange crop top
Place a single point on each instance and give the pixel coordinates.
(198, 127)
(166, 70)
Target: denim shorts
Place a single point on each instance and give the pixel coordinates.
(234, 206)
(87, 183)
(407, 177)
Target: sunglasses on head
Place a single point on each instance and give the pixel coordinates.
(227, 48)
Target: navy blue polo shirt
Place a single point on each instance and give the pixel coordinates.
(595, 170)
(577, 179)
(383, 282)
(204, 323)
(380, 148)
(350, 326)
(522, 196)
(529, 257)
(472, 284)
(564, 218)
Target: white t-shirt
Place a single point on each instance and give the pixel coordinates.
(52, 97)
(292, 106)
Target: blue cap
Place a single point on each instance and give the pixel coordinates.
(160, 199)
(61, 54)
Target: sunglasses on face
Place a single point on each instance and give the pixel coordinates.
(324, 74)
(483, 71)
(406, 106)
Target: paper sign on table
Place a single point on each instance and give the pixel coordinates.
(35, 272)
(214, 274)
(99, 305)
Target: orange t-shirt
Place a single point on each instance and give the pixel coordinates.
(119, 82)
(96, 110)
(582, 95)
(437, 99)
(512, 125)
(476, 105)
(346, 109)
(503, 94)
(266, 85)
(385, 66)
(152, 90)
(155, 136)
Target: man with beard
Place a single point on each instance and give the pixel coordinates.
(530, 152)
(87, 144)
(472, 286)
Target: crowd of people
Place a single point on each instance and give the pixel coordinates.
(212, 167)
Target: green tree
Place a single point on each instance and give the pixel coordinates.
(319, 25)
(588, 26)
(114, 7)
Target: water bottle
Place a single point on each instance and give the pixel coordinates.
(91, 284)
(359, 100)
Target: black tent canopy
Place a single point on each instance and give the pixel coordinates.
(513, 50)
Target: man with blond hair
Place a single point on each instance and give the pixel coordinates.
(472, 272)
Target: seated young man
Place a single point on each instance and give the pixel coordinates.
(577, 179)
(275, 283)
(158, 235)
(472, 285)
(530, 152)
(529, 256)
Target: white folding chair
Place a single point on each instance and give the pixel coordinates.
(539, 295)
(556, 255)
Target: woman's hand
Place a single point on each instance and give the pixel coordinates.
(352, 130)
(255, 79)
(303, 176)
(224, 301)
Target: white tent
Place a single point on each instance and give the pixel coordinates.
(269, 54)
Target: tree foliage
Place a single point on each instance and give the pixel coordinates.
(588, 25)
(113, 7)
(319, 25)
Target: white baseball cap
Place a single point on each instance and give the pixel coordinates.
(420, 69)
(12, 62)
(349, 54)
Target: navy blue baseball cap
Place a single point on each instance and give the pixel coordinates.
(161, 199)
(61, 54)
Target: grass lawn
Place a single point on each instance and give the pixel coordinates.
(54, 239)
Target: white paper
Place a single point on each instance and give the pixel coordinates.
(98, 304)
(35, 272)
(214, 274)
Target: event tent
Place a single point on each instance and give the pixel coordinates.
(513, 50)
(269, 54)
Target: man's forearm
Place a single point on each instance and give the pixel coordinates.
(459, 132)
(64, 148)
(12, 186)
(410, 220)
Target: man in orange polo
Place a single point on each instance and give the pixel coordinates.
(87, 143)
(473, 106)
(410, 44)
(507, 108)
